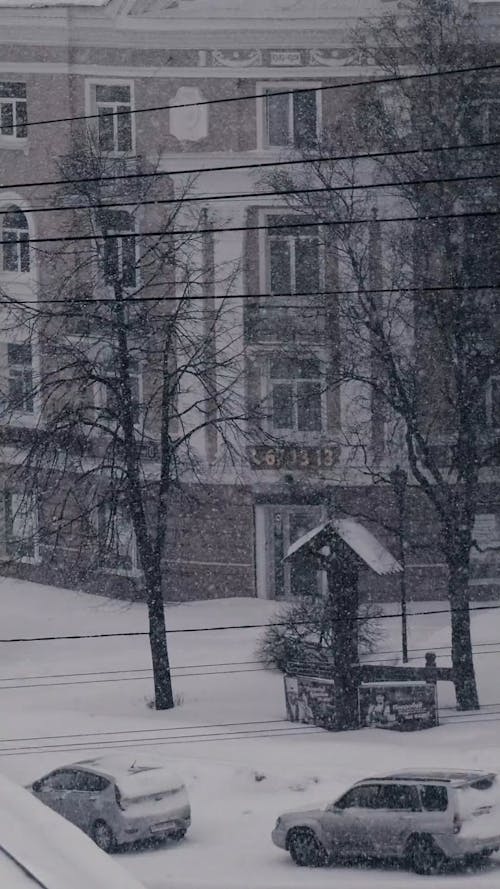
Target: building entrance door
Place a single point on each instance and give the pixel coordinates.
(277, 527)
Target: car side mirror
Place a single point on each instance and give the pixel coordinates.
(37, 786)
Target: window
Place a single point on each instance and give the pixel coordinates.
(434, 798)
(15, 235)
(291, 118)
(493, 402)
(117, 539)
(294, 260)
(13, 110)
(21, 526)
(402, 797)
(296, 394)
(364, 797)
(89, 783)
(119, 251)
(485, 120)
(20, 377)
(65, 779)
(113, 106)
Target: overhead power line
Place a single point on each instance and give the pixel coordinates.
(285, 192)
(142, 731)
(372, 81)
(240, 735)
(256, 165)
(239, 626)
(430, 217)
(148, 670)
(128, 300)
(173, 672)
(188, 739)
(129, 670)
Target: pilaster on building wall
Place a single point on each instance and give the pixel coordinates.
(181, 58)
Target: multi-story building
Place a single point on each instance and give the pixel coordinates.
(206, 68)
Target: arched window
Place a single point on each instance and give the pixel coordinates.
(15, 235)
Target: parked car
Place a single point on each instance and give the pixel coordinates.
(117, 799)
(39, 848)
(421, 817)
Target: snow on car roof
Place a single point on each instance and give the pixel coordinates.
(121, 764)
(447, 776)
(135, 775)
(49, 850)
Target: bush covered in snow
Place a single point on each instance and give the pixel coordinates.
(303, 638)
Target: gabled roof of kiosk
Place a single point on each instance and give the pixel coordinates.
(358, 538)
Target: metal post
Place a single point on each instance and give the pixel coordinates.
(399, 480)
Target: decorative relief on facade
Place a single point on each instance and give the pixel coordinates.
(152, 7)
(322, 57)
(188, 124)
(287, 57)
(236, 58)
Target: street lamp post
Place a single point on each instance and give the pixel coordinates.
(399, 481)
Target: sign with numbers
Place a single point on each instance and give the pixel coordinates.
(293, 457)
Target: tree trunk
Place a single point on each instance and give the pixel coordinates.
(164, 699)
(461, 642)
(343, 610)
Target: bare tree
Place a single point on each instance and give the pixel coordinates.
(138, 381)
(421, 357)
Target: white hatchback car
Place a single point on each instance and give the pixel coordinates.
(40, 849)
(118, 799)
(421, 817)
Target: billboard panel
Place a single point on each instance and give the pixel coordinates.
(400, 706)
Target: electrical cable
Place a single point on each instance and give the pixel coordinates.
(176, 675)
(203, 739)
(125, 670)
(21, 639)
(165, 742)
(97, 301)
(148, 670)
(323, 189)
(430, 217)
(375, 81)
(127, 679)
(422, 648)
(257, 165)
(143, 731)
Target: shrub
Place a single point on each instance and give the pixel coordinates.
(303, 642)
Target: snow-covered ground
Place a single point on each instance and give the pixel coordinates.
(243, 764)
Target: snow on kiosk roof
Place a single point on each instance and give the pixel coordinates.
(356, 537)
(46, 850)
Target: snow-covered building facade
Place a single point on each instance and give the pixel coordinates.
(59, 63)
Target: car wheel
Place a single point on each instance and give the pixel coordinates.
(424, 856)
(476, 859)
(103, 836)
(178, 834)
(305, 848)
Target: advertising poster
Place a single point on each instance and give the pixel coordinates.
(400, 706)
(309, 700)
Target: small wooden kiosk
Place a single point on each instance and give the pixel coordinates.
(340, 546)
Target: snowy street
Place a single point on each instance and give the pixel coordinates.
(243, 764)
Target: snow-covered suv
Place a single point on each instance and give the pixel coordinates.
(421, 817)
